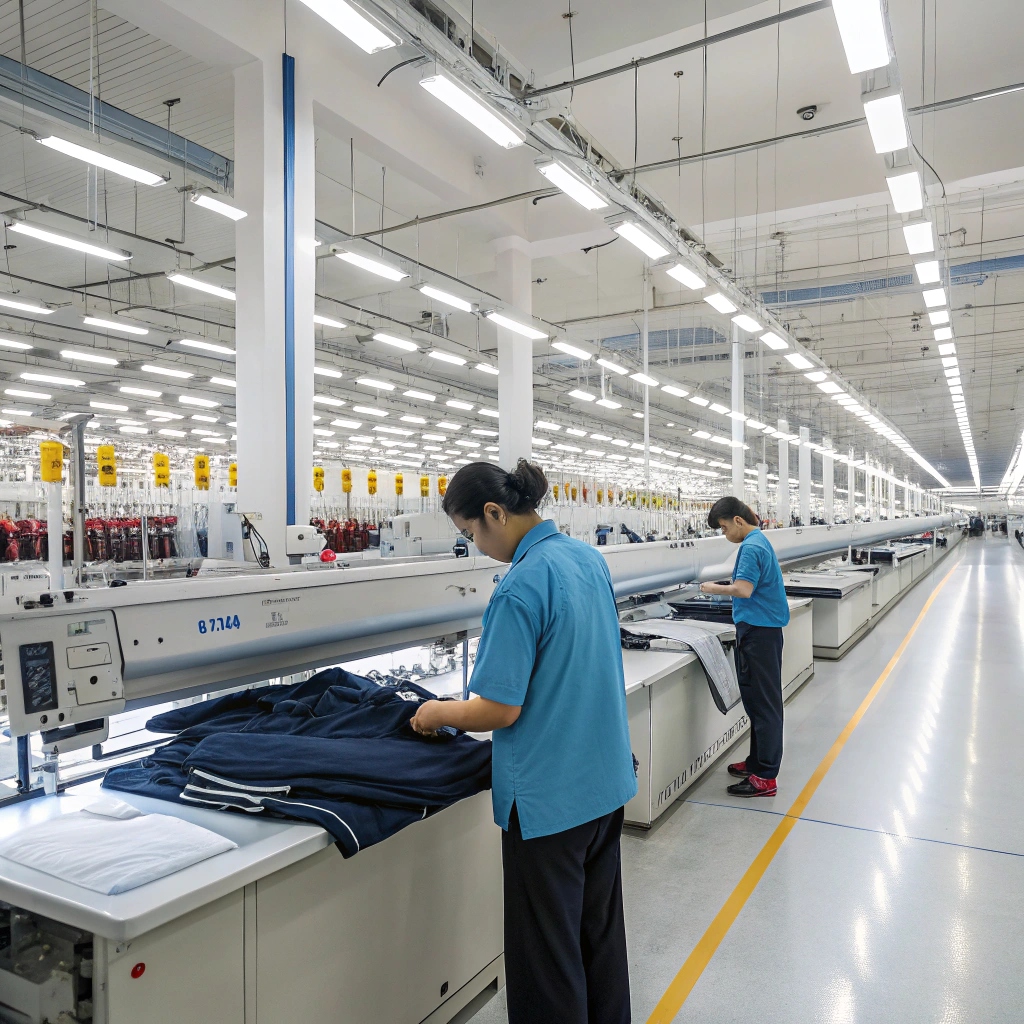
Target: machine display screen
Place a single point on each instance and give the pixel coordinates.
(38, 677)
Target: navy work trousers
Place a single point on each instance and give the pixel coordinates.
(565, 936)
(759, 673)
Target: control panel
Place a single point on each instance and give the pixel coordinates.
(61, 669)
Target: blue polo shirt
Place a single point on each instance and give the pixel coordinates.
(550, 645)
(756, 563)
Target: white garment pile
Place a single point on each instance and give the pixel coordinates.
(111, 847)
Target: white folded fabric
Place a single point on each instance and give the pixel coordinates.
(112, 854)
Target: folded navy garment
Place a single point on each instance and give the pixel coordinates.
(336, 750)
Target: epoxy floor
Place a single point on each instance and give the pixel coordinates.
(899, 894)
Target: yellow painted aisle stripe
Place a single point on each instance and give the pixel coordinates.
(682, 984)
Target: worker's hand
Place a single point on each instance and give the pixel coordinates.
(707, 588)
(429, 718)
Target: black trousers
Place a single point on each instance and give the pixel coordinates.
(565, 937)
(759, 673)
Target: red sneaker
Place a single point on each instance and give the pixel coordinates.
(753, 785)
(739, 769)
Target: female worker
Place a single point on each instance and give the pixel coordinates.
(548, 679)
(760, 609)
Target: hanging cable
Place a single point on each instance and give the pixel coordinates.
(568, 16)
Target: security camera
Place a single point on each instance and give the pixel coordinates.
(807, 113)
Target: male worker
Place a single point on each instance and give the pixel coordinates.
(760, 610)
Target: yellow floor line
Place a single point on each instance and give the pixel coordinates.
(682, 984)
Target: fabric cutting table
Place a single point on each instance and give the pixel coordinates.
(279, 930)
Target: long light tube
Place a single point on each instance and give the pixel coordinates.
(572, 350)
(887, 123)
(920, 237)
(773, 341)
(400, 343)
(720, 302)
(201, 286)
(799, 361)
(934, 297)
(613, 367)
(862, 31)
(470, 108)
(26, 307)
(97, 159)
(747, 323)
(326, 321)
(217, 206)
(928, 272)
(88, 357)
(572, 185)
(104, 252)
(906, 193)
(686, 277)
(49, 378)
(352, 24)
(446, 298)
(113, 325)
(372, 266)
(20, 346)
(646, 243)
(166, 371)
(517, 328)
(446, 357)
(207, 346)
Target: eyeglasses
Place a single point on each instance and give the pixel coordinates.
(467, 534)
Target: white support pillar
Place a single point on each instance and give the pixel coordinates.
(261, 400)
(645, 351)
(804, 464)
(782, 494)
(515, 354)
(738, 481)
(851, 483)
(762, 489)
(892, 494)
(828, 484)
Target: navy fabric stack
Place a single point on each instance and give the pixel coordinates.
(336, 750)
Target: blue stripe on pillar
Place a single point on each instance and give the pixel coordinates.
(288, 105)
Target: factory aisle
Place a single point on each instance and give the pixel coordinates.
(899, 893)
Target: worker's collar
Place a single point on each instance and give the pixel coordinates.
(540, 532)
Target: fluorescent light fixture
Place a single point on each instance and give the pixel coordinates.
(736, 415)
(906, 193)
(448, 425)
(447, 298)
(346, 424)
(613, 367)
(607, 403)
(697, 400)
(369, 410)
(224, 382)
(20, 346)
(830, 387)
(141, 392)
(746, 323)
(799, 361)
(113, 325)
(773, 341)
(572, 185)
(423, 396)
(27, 307)
(28, 412)
(470, 108)
(88, 357)
(49, 378)
(487, 368)
(943, 333)
(202, 403)
(97, 159)
(109, 406)
(170, 432)
(135, 430)
(217, 206)
(372, 266)
(720, 302)
(645, 242)
(22, 393)
(572, 350)
(517, 328)
(671, 389)
(643, 378)
(719, 408)
(413, 419)
(545, 425)
(372, 382)
(947, 350)
(702, 434)
(490, 413)
(326, 321)
(166, 371)
(187, 281)
(446, 357)
(940, 317)
(104, 252)
(887, 123)
(327, 371)
(401, 343)
(816, 375)
(935, 297)
(583, 396)
(920, 237)
(686, 277)
(352, 24)
(863, 33)
(928, 272)
(207, 346)
(949, 361)
(201, 417)
(755, 425)
(455, 403)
